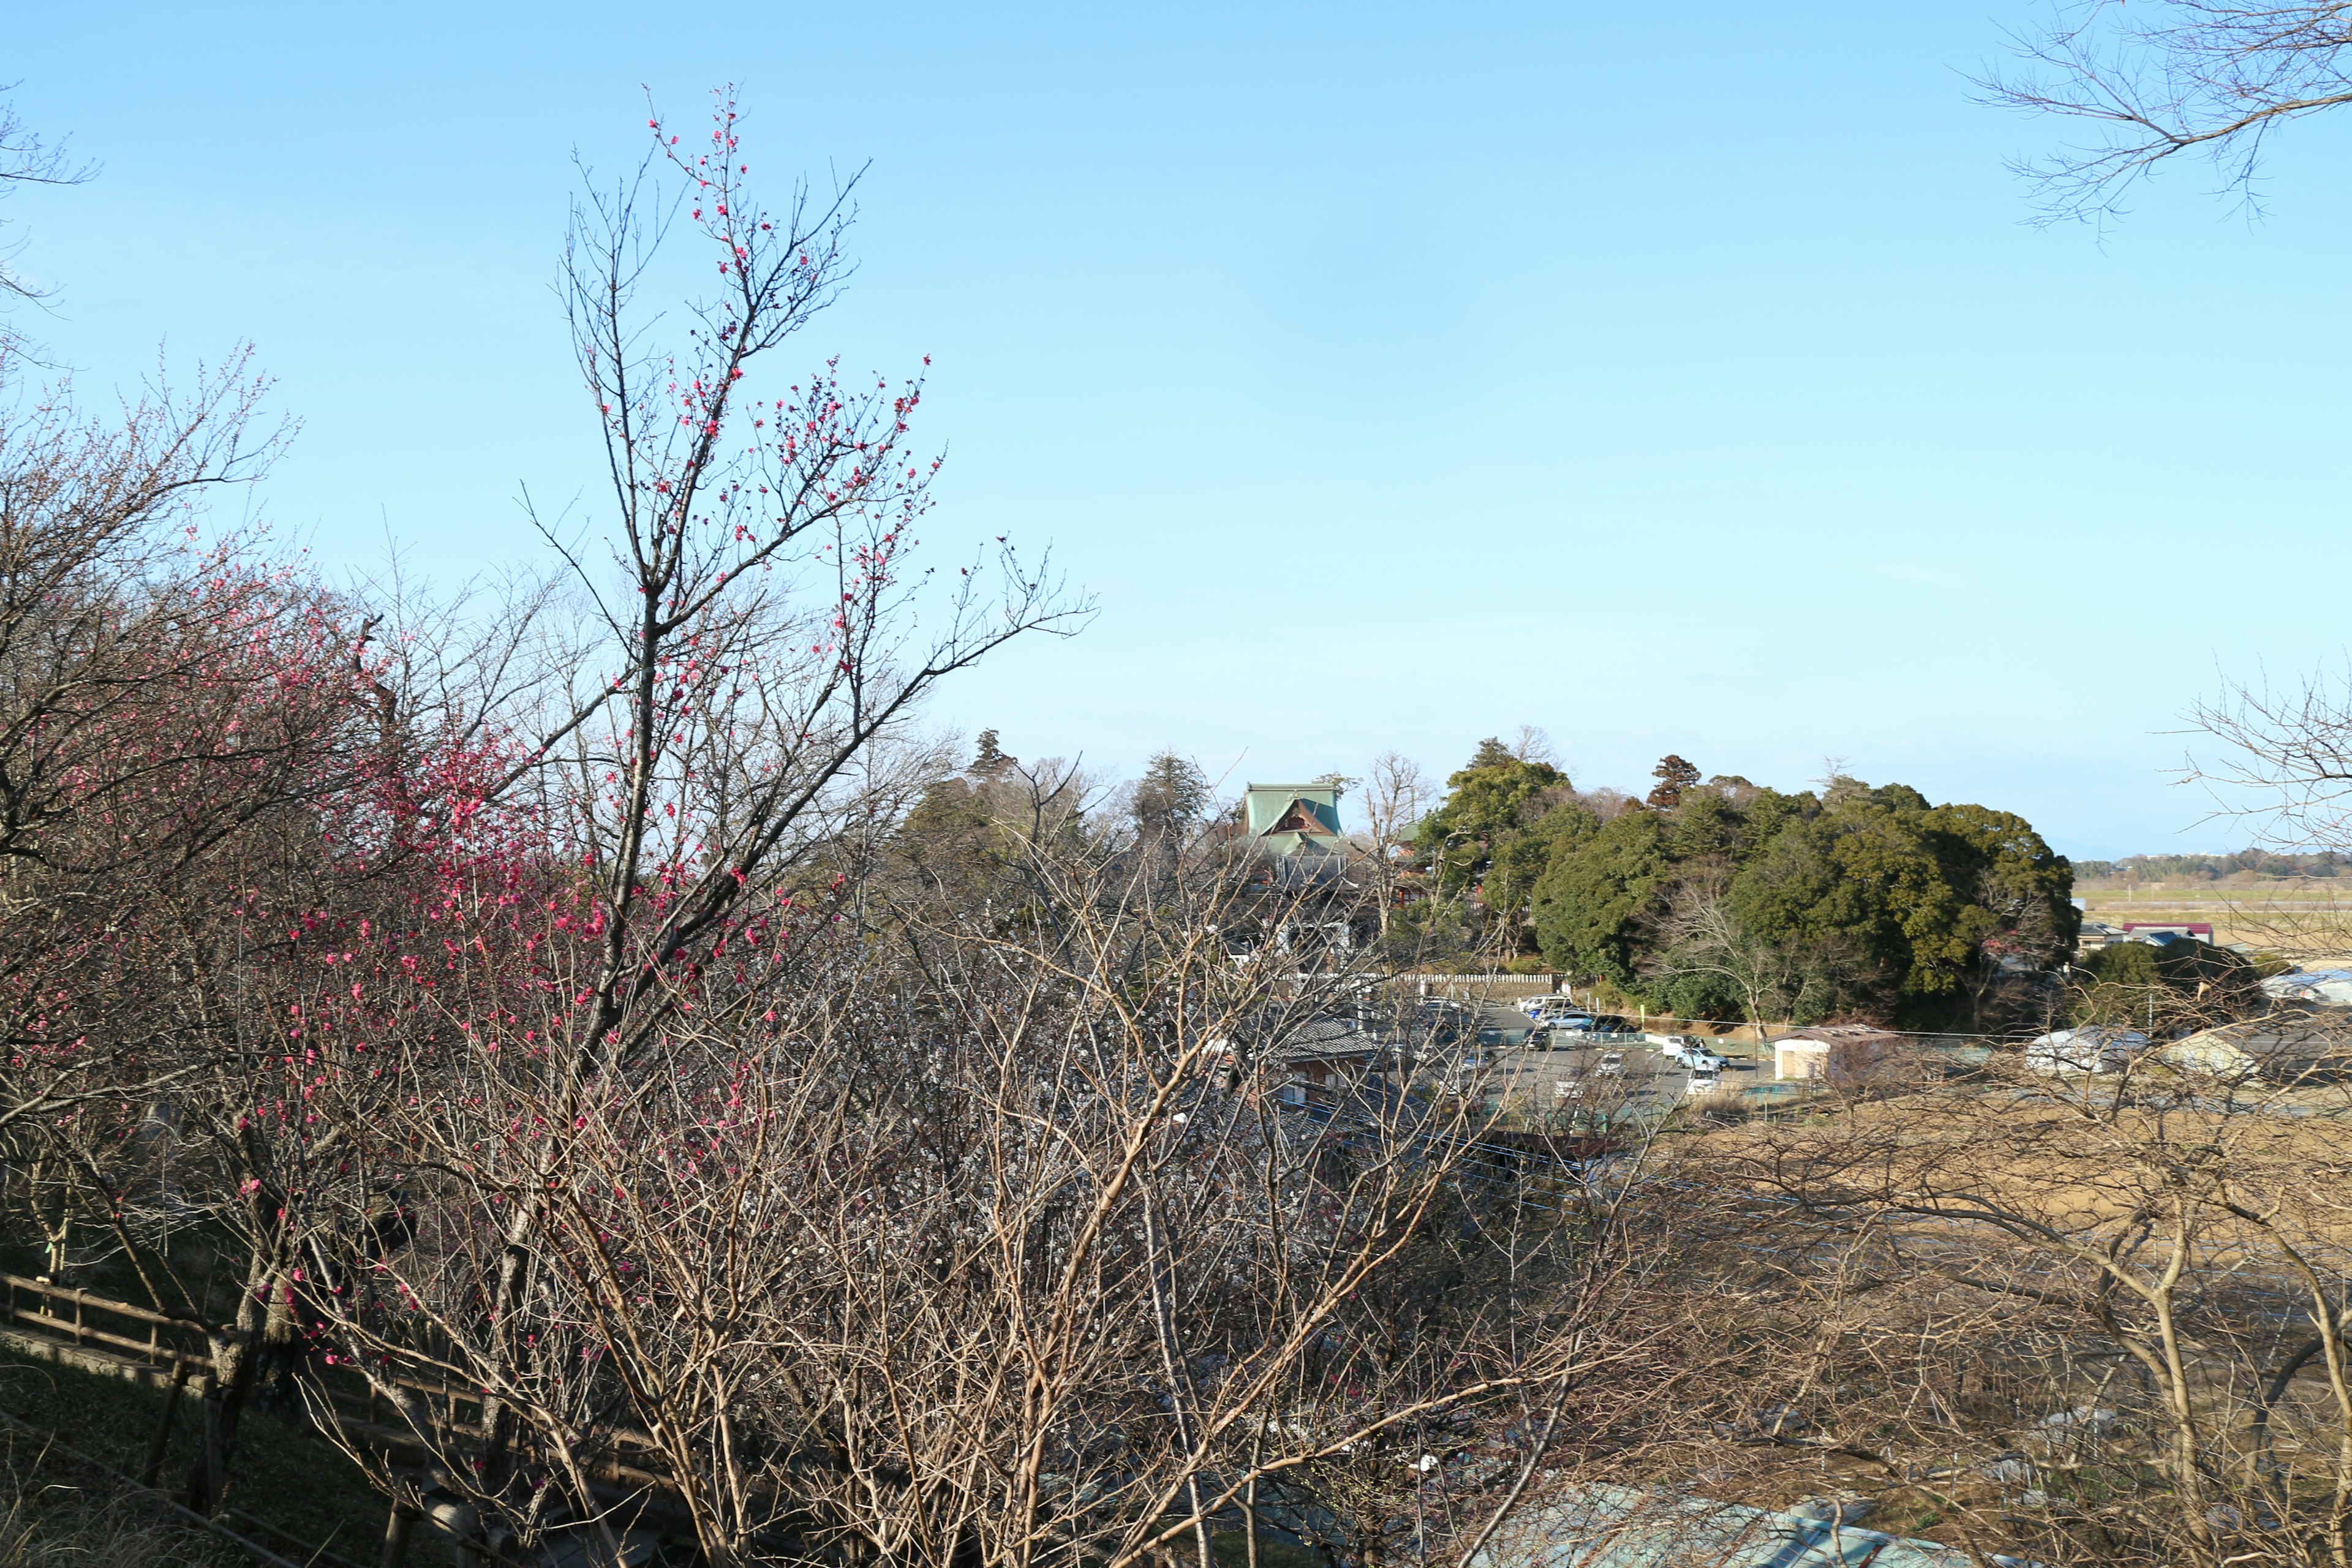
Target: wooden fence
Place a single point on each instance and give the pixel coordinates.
(51, 1317)
(50, 1303)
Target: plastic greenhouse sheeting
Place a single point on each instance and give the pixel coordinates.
(1620, 1527)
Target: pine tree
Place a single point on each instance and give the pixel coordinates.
(1674, 775)
(1171, 797)
(992, 759)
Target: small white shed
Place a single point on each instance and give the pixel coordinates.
(1802, 1057)
(1850, 1054)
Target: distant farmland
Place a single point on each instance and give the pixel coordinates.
(2305, 918)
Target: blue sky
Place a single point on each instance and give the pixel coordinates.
(1673, 378)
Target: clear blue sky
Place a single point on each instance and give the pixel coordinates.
(1673, 377)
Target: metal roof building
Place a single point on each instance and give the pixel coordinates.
(1291, 819)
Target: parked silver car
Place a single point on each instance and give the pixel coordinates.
(1688, 1050)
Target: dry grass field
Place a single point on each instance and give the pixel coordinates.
(2063, 1155)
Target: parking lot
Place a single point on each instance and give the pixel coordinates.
(1641, 1078)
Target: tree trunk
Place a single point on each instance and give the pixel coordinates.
(57, 1229)
(236, 1354)
(224, 1404)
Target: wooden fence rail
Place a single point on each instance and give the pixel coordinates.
(355, 1409)
(80, 1331)
(64, 1312)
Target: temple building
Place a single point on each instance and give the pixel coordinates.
(1295, 820)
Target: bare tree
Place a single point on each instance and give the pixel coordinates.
(2281, 764)
(26, 160)
(1701, 935)
(1396, 798)
(2215, 79)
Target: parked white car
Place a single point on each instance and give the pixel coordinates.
(1552, 1009)
(1704, 1080)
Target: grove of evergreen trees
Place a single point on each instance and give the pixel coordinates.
(1721, 898)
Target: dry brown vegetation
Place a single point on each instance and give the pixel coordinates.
(2081, 1319)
